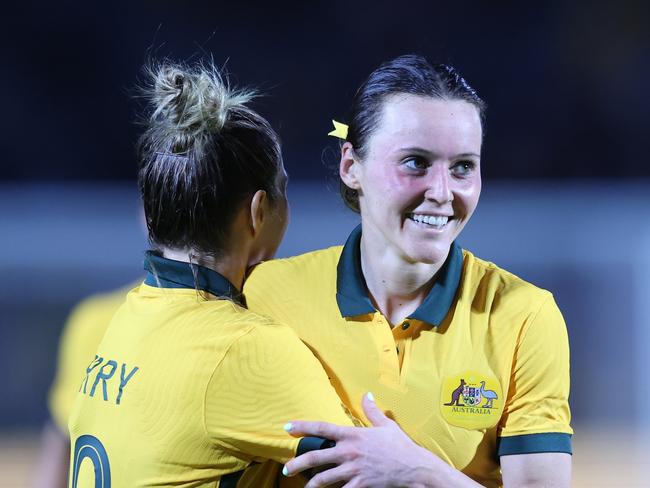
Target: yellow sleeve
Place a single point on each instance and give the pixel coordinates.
(267, 378)
(536, 415)
(82, 333)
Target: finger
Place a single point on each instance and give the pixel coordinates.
(300, 428)
(334, 475)
(370, 408)
(311, 459)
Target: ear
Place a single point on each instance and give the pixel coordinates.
(258, 211)
(349, 167)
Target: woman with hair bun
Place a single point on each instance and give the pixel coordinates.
(188, 387)
(471, 362)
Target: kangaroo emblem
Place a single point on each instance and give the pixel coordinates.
(455, 395)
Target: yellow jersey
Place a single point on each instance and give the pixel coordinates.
(189, 388)
(479, 370)
(80, 337)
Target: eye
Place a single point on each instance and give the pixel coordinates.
(463, 168)
(416, 163)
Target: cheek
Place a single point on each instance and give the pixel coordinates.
(469, 194)
(390, 183)
(395, 193)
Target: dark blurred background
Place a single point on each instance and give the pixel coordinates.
(565, 162)
(566, 82)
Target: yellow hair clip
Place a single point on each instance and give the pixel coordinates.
(340, 130)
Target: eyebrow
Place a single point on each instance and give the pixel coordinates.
(419, 150)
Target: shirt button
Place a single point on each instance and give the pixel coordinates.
(405, 325)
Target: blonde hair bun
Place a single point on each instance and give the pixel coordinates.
(190, 102)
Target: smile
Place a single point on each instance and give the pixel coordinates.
(436, 221)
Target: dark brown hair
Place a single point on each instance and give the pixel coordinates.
(409, 74)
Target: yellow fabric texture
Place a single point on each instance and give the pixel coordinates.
(214, 386)
(80, 337)
(500, 329)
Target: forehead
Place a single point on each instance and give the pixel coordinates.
(440, 126)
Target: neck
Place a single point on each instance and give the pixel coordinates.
(231, 266)
(396, 287)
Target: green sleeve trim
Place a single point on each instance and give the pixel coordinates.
(307, 444)
(533, 443)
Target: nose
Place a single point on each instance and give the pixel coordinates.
(439, 185)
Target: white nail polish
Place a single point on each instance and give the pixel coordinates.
(370, 396)
(285, 471)
(288, 426)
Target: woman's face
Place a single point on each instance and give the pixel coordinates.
(420, 180)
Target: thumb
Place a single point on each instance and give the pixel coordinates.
(370, 408)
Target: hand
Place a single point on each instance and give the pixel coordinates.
(379, 456)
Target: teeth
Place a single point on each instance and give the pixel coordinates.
(435, 221)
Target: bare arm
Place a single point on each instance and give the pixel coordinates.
(543, 470)
(51, 470)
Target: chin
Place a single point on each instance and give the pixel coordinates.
(433, 257)
(426, 252)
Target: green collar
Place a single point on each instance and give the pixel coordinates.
(168, 273)
(352, 293)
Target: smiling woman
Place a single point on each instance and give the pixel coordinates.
(420, 181)
(471, 362)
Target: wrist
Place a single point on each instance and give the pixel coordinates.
(430, 471)
(433, 472)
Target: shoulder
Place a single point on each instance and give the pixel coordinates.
(268, 333)
(485, 279)
(322, 259)
(516, 312)
(294, 273)
(262, 347)
(238, 323)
